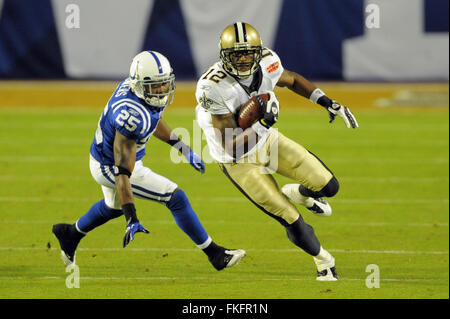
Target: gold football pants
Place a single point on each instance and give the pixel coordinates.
(252, 175)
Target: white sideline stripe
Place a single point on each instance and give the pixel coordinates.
(390, 201)
(392, 179)
(80, 141)
(386, 126)
(77, 159)
(283, 126)
(205, 221)
(363, 251)
(150, 278)
(238, 199)
(44, 159)
(382, 160)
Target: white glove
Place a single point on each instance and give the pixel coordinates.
(342, 111)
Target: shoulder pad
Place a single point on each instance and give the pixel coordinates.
(213, 94)
(270, 61)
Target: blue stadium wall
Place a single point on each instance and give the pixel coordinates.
(321, 39)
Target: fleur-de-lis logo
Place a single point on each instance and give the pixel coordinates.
(205, 102)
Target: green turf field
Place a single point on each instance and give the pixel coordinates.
(391, 211)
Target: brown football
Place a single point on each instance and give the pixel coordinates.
(251, 111)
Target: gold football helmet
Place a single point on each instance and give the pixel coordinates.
(240, 49)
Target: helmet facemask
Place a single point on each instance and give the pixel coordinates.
(155, 92)
(240, 49)
(241, 61)
(152, 79)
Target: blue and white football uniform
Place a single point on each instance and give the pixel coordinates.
(134, 110)
(132, 117)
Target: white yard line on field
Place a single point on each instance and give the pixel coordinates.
(382, 160)
(349, 251)
(391, 179)
(153, 278)
(240, 199)
(233, 222)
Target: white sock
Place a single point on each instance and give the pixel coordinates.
(205, 244)
(323, 260)
(308, 201)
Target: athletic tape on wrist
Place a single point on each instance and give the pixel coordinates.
(315, 95)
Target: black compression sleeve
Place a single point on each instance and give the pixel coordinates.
(129, 212)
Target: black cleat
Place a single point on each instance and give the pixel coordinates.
(227, 258)
(69, 238)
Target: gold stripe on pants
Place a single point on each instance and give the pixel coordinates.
(252, 174)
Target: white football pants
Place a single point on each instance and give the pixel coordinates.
(145, 183)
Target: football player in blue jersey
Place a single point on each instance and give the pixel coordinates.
(131, 116)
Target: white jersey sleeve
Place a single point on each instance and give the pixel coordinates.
(215, 92)
(211, 100)
(271, 66)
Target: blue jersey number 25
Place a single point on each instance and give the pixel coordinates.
(131, 121)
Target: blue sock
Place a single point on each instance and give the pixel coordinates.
(186, 218)
(96, 216)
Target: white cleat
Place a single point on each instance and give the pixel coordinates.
(66, 260)
(328, 274)
(320, 207)
(325, 263)
(237, 254)
(317, 206)
(227, 258)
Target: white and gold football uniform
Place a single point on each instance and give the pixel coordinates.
(220, 93)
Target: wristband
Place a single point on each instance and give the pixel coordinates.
(173, 141)
(118, 170)
(316, 95)
(325, 102)
(129, 211)
(183, 148)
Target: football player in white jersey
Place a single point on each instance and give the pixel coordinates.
(247, 69)
(131, 116)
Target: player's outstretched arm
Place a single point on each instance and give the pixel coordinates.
(124, 160)
(298, 84)
(165, 134)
